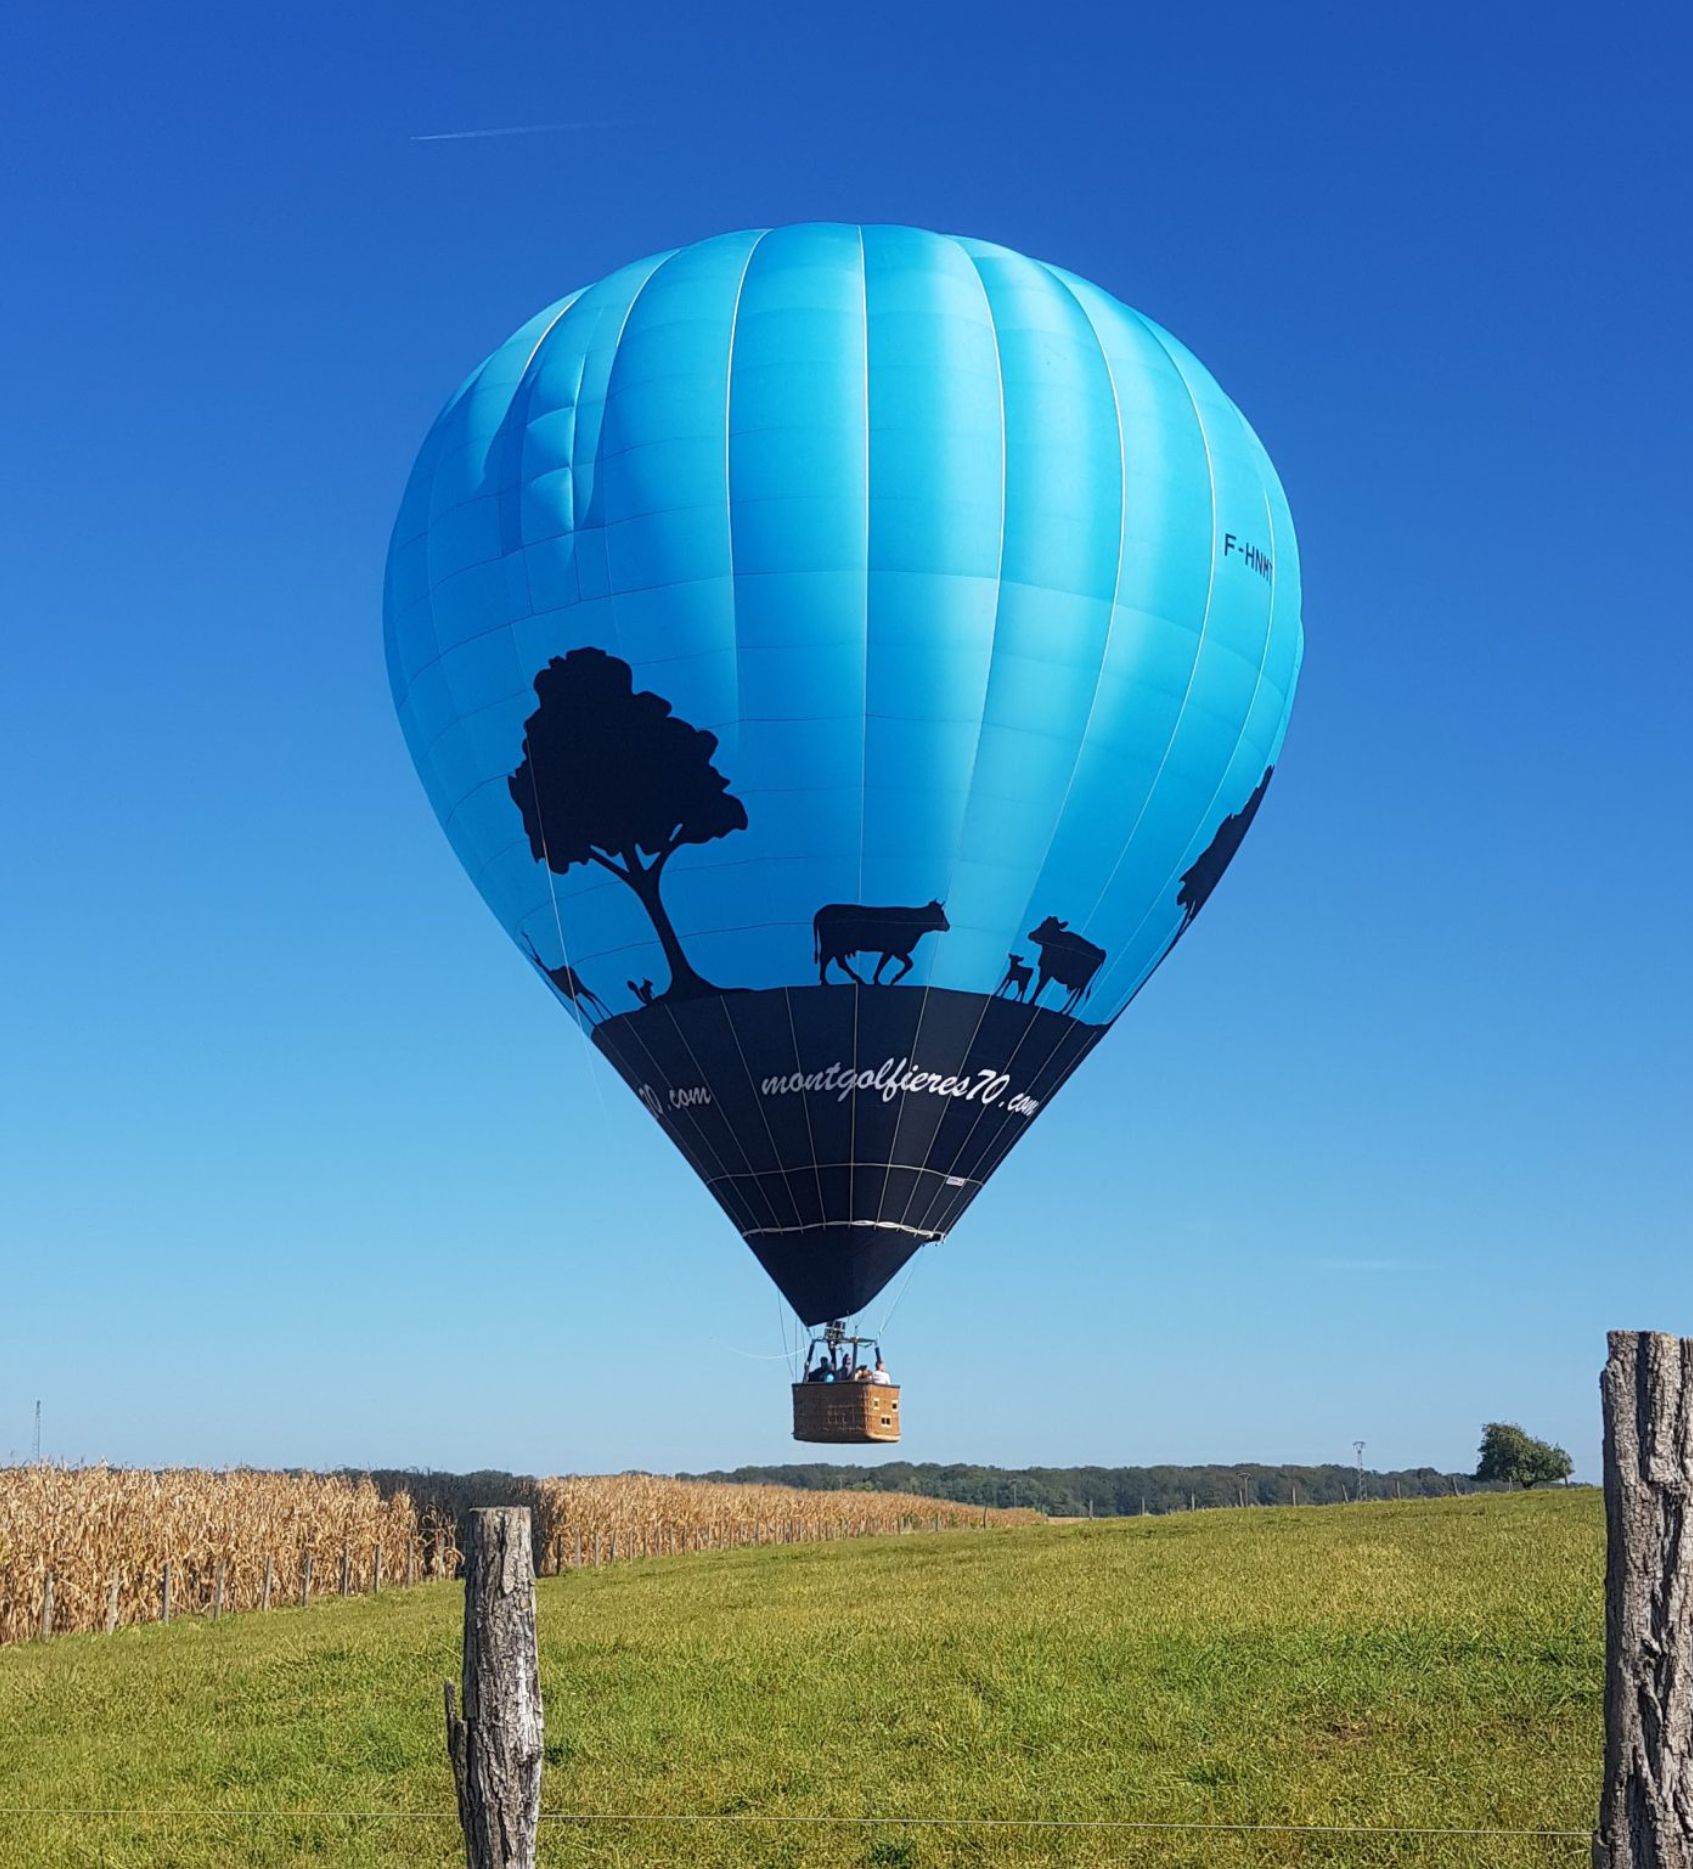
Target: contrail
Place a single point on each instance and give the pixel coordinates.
(517, 129)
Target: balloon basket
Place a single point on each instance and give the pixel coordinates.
(849, 1413)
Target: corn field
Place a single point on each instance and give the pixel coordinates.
(601, 1519)
(85, 1548)
(115, 1541)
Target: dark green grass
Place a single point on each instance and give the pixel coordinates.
(1431, 1664)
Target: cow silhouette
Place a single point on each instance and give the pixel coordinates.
(569, 983)
(642, 989)
(1018, 974)
(1066, 958)
(842, 929)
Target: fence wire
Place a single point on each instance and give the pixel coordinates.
(1198, 1825)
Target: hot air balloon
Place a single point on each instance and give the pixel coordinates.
(845, 659)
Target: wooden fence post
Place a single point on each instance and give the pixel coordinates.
(270, 1571)
(346, 1569)
(1646, 1805)
(46, 1606)
(112, 1604)
(217, 1591)
(164, 1593)
(305, 1579)
(495, 1747)
(376, 1571)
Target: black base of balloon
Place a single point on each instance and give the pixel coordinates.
(833, 1272)
(842, 1127)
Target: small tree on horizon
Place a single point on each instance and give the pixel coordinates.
(1513, 1458)
(611, 776)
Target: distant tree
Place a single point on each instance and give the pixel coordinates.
(610, 776)
(1511, 1457)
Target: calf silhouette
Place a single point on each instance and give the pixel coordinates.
(1066, 958)
(1018, 974)
(643, 990)
(842, 929)
(569, 983)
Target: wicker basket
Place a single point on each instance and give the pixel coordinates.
(846, 1411)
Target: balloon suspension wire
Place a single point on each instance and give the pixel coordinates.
(558, 920)
(790, 1351)
(918, 1179)
(525, 389)
(899, 1296)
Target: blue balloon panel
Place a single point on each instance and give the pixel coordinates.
(846, 660)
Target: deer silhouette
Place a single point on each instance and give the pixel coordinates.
(569, 983)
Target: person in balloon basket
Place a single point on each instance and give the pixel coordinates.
(880, 1372)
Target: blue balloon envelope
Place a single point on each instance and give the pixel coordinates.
(845, 659)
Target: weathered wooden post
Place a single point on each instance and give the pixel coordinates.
(496, 1746)
(217, 1591)
(1646, 1806)
(46, 1606)
(164, 1592)
(112, 1604)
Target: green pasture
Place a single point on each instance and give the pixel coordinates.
(1435, 1664)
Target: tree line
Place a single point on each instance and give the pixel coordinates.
(1074, 1492)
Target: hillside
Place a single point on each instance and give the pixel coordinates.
(1432, 1664)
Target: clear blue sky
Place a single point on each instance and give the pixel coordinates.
(293, 1142)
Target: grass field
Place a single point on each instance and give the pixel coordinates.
(1431, 1664)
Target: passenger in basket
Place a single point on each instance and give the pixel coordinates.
(880, 1372)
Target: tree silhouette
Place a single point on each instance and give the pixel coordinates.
(1204, 876)
(610, 776)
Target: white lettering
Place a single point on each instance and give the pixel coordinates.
(891, 1079)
